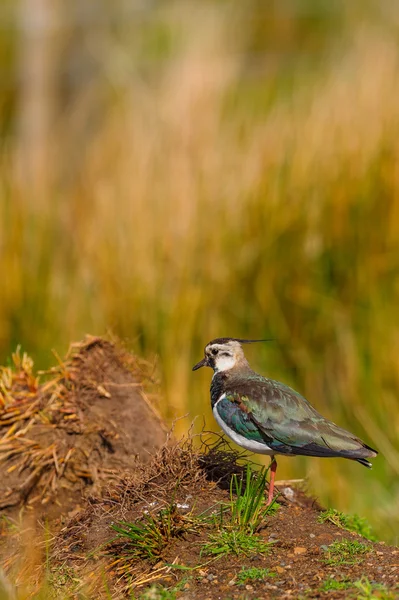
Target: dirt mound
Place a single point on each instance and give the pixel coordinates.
(185, 540)
(66, 431)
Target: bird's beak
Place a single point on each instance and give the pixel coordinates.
(202, 363)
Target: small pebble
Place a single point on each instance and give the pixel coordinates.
(289, 493)
(279, 569)
(312, 535)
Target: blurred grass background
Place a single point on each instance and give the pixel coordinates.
(179, 171)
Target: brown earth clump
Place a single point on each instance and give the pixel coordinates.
(65, 431)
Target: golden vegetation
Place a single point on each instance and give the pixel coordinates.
(211, 172)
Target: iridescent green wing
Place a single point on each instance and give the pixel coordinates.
(289, 424)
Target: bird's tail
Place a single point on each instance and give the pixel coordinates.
(364, 462)
(369, 452)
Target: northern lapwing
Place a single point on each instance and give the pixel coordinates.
(268, 417)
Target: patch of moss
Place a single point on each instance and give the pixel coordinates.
(345, 552)
(349, 522)
(254, 574)
(331, 584)
(234, 542)
(373, 591)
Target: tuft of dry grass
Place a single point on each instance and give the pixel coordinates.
(25, 405)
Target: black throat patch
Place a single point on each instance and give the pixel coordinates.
(217, 387)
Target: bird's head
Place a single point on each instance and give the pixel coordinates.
(223, 354)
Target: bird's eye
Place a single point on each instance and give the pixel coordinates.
(214, 351)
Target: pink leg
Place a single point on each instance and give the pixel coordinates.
(273, 469)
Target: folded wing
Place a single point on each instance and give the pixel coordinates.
(290, 425)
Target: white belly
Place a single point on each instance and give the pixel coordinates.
(251, 445)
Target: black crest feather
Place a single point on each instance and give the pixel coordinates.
(224, 340)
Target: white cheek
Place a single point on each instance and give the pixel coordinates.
(223, 363)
